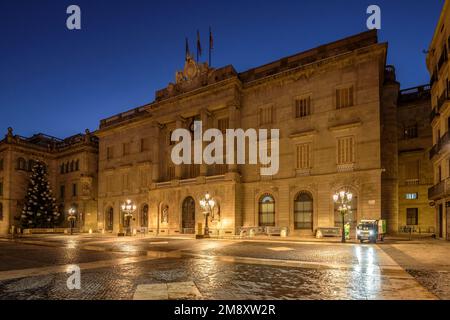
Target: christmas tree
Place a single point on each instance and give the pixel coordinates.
(39, 210)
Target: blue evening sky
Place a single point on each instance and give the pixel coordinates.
(60, 82)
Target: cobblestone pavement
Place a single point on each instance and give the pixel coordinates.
(113, 268)
(427, 261)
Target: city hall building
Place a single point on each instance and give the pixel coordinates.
(344, 125)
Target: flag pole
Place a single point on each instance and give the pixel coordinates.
(210, 45)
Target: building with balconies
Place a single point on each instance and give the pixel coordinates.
(439, 68)
(415, 167)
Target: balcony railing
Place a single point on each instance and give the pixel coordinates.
(445, 96)
(441, 190)
(434, 114)
(443, 141)
(442, 59)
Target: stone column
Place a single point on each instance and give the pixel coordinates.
(204, 117)
(179, 168)
(156, 130)
(389, 154)
(234, 123)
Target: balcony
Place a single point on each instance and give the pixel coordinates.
(445, 97)
(442, 59)
(443, 141)
(439, 191)
(434, 114)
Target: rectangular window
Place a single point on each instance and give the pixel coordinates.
(412, 216)
(411, 196)
(412, 170)
(410, 132)
(303, 107)
(109, 183)
(125, 181)
(1, 188)
(303, 156)
(110, 153)
(145, 144)
(265, 115)
(62, 192)
(346, 150)
(74, 190)
(1, 164)
(126, 148)
(223, 125)
(344, 97)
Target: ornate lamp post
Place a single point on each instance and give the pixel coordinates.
(343, 199)
(72, 217)
(128, 208)
(207, 204)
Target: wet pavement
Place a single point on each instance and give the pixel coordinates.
(113, 268)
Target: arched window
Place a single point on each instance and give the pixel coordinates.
(1, 211)
(144, 216)
(72, 166)
(303, 211)
(67, 167)
(21, 164)
(266, 211)
(77, 165)
(188, 215)
(30, 165)
(351, 216)
(61, 170)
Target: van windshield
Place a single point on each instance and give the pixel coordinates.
(365, 226)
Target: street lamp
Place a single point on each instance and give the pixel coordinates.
(72, 217)
(343, 199)
(128, 208)
(207, 204)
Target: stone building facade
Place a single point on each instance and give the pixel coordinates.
(415, 169)
(72, 171)
(336, 107)
(439, 68)
(328, 103)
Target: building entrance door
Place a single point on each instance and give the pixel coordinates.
(109, 219)
(440, 221)
(188, 216)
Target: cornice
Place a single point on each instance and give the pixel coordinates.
(322, 66)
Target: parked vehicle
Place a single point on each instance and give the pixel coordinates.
(371, 230)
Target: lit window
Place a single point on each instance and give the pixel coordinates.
(412, 196)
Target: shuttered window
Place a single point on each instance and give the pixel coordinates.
(303, 156)
(344, 97)
(346, 150)
(303, 107)
(265, 115)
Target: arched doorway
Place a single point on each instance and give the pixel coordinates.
(266, 211)
(188, 216)
(144, 216)
(303, 211)
(109, 221)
